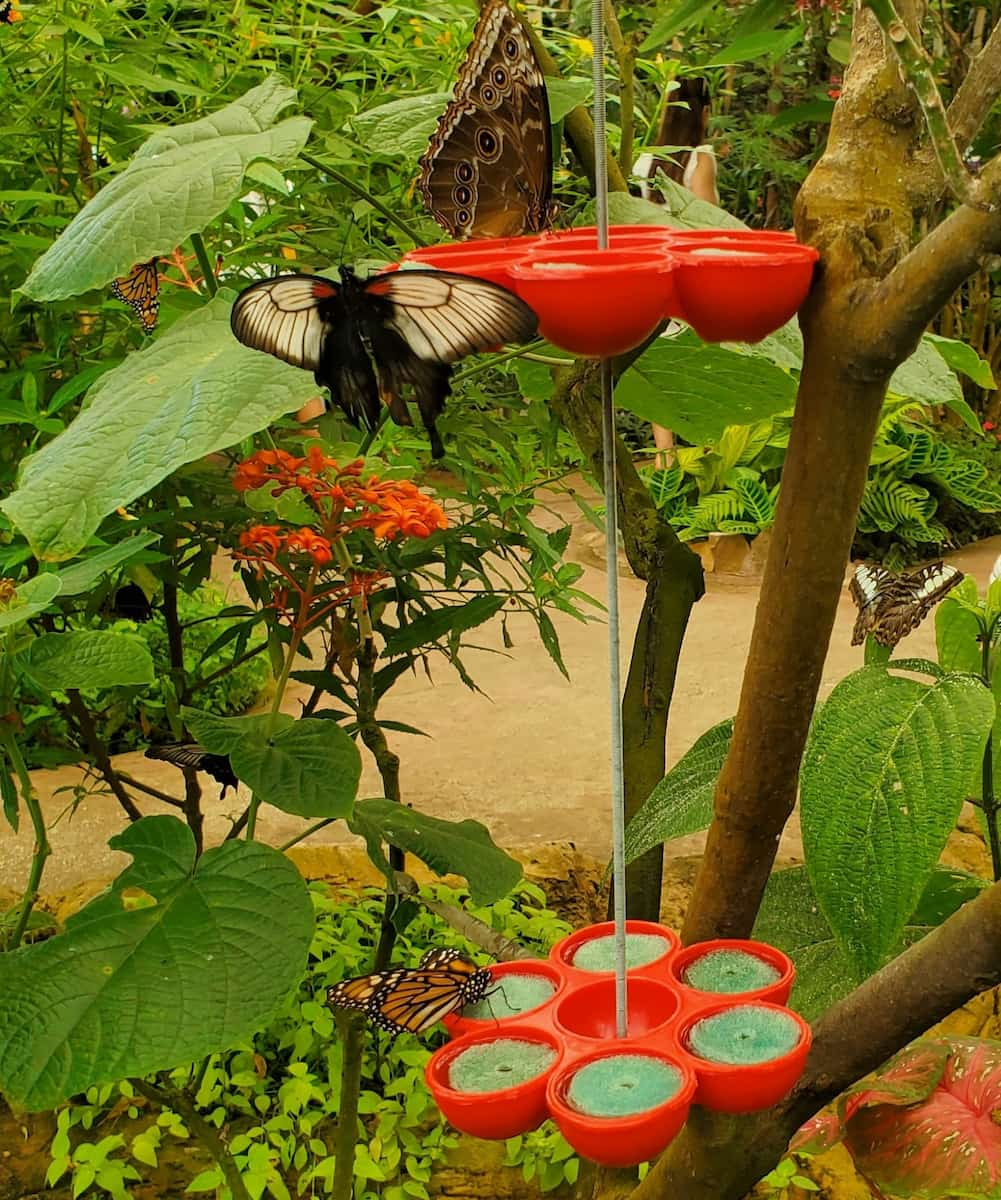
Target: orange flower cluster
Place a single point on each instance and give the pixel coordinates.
(390, 508)
(267, 542)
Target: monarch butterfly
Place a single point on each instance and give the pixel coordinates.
(140, 290)
(408, 1000)
(370, 339)
(190, 754)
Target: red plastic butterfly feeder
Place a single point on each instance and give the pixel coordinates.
(729, 284)
(706, 1025)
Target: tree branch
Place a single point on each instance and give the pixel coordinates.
(471, 928)
(99, 752)
(976, 95)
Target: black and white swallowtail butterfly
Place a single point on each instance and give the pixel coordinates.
(381, 338)
(890, 606)
(190, 754)
(410, 1000)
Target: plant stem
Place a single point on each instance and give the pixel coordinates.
(624, 56)
(314, 828)
(371, 434)
(988, 800)
(359, 191)
(99, 752)
(351, 1028)
(42, 848)
(208, 272)
(207, 1134)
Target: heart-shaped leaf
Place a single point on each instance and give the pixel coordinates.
(87, 658)
(127, 992)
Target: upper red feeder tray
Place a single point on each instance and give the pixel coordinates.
(706, 1025)
(728, 284)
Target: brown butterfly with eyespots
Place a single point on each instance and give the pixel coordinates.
(488, 170)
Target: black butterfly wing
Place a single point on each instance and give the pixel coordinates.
(910, 599)
(443, 317)
(308, 321)
(190, 754)
(420, 322)
(869, 585)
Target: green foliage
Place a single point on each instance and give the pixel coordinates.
(178, 181)
(791, 919)
(277, 1091)
(448, 847)
(683, 800)
(196, 389)
(101, 1000)
(884, 775)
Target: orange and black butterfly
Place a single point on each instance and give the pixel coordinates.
(410, 1000)
(140, 290)
(8, 12)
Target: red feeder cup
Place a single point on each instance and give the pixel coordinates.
(694, 969)
(498, 1113)
(741, 293)
(499, 1005)
(740, 1087)
(634, 1137)
(596, 303)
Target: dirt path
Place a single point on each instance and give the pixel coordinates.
(529, 758)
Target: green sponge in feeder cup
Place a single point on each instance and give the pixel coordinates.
(728, 971)
(494, 1066)
(622, 1084)
(511, 994)
(599, 953)
(744, 1035)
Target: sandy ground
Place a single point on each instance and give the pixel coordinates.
(529, 758)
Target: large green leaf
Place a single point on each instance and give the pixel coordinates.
(766, 44)
(790, 919)
(87, 658)
(885, 773)
(449, 847)
(962, 357)
(309, 766)
(697, 389)
(401, 127)
(33, 596)
(566, 94)
(126, 991)
(175, 185)
(683, 800)
(187, 394)
(957, 630)
(928, 379)
(81, 576)
(678, 17)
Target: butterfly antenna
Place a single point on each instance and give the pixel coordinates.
(344, 240)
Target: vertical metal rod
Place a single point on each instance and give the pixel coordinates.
(615, 698)
(611, 544)
(600, 136)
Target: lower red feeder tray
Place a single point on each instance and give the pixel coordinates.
(730, 285)
(728, 1042)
